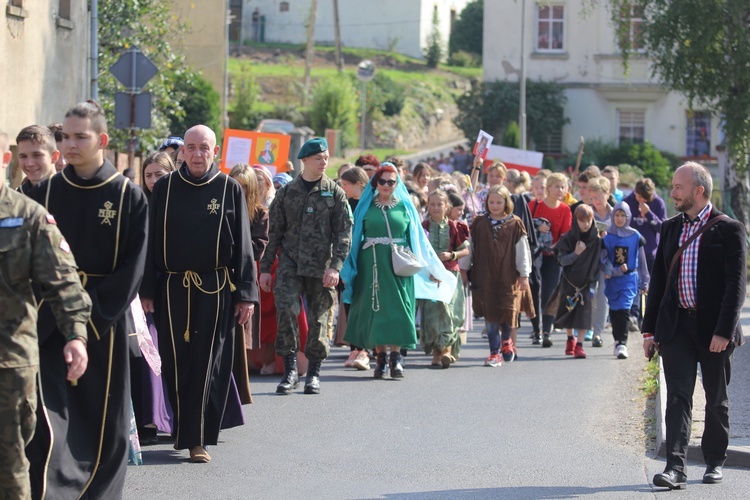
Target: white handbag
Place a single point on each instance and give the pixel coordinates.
(405, 263)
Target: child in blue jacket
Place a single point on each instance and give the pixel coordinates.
(625, 273)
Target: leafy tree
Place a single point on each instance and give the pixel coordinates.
(148, 25)
(433, 52)
(468, 29)
(201, 104)
(335, 105)
(491, 106)
(701, 48)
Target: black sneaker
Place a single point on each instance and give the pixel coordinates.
(546, 341)
(536, 338)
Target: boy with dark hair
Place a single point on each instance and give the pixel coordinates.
(104, 218)
(37, 155)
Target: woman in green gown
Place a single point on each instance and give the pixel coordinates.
(382, 309)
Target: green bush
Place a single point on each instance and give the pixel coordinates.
(463, 59)
(243, 115)
(334, 105)
(655, 164)
(200, 102)
(433, 51)
(512, 135)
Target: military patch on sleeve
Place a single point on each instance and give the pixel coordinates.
(64, 246)
(11, 222)
(51, 219)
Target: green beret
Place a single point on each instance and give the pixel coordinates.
(312, 147)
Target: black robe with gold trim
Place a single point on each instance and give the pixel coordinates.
(199, 265)
(105, 221)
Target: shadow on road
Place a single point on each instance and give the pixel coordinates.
(535, 492)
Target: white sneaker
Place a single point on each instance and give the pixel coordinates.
(621, 351)
(269, 369)
(350, 359)
(362, 361)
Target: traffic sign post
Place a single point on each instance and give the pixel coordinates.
(365, 73)
(133, 108)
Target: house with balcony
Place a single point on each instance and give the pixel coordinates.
(576, 46)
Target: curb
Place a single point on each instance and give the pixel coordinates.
(737, 455)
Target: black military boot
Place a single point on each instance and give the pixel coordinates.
(397, 366)
(291, 377)
(381, 365)
(312, 383)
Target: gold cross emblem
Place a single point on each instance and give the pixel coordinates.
(106, 213)
(213, 206)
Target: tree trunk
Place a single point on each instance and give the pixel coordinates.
(736, 185)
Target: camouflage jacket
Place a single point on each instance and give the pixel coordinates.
(32, 249)
(310, 231)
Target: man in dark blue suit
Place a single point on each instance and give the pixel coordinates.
(692, 316)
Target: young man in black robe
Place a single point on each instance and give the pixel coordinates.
(81, 444)
(200, 274)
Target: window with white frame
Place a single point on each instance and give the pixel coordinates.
(698, 133)
(631, 30)
(631, 126)
(550, 27)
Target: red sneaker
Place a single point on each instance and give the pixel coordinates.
(570, 346)
(493, 361)
(578, 352)
(508, 351)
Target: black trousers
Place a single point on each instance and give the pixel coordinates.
(681, 356)
(619, 320)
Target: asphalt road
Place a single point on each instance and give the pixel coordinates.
(544, 427)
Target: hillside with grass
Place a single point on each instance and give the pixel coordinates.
(409, 106)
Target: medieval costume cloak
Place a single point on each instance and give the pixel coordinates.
(495, 292)
(81, 443)
(572, 301)
(199, 266)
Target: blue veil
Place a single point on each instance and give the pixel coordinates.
(424, 288)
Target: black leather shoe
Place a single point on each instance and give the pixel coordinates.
(290, 381)
(312, 383)
(397, 367)
(672, 479)
(713, 474)
(380, 367)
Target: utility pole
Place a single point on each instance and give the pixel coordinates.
(310, 49)
(94, 50)
(522, 104)
(337, 35)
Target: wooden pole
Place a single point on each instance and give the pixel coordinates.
(310, 54)
(337, 34)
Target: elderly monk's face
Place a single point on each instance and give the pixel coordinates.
(199, 150)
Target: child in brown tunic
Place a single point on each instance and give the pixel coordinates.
(501, 264)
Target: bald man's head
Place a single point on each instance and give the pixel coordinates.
(199, 150)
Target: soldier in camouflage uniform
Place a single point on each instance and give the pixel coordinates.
(32, 249)
(310, 229)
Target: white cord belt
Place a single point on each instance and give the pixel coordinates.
(371, 242)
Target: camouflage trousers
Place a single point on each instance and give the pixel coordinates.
(287, 291)
(17, 424)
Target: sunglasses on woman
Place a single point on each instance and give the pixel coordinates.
(383, 182)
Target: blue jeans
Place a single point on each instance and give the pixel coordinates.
(493, 335)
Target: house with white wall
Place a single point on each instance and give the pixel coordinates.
(44, 49)
(399, 25)
(576, 46)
